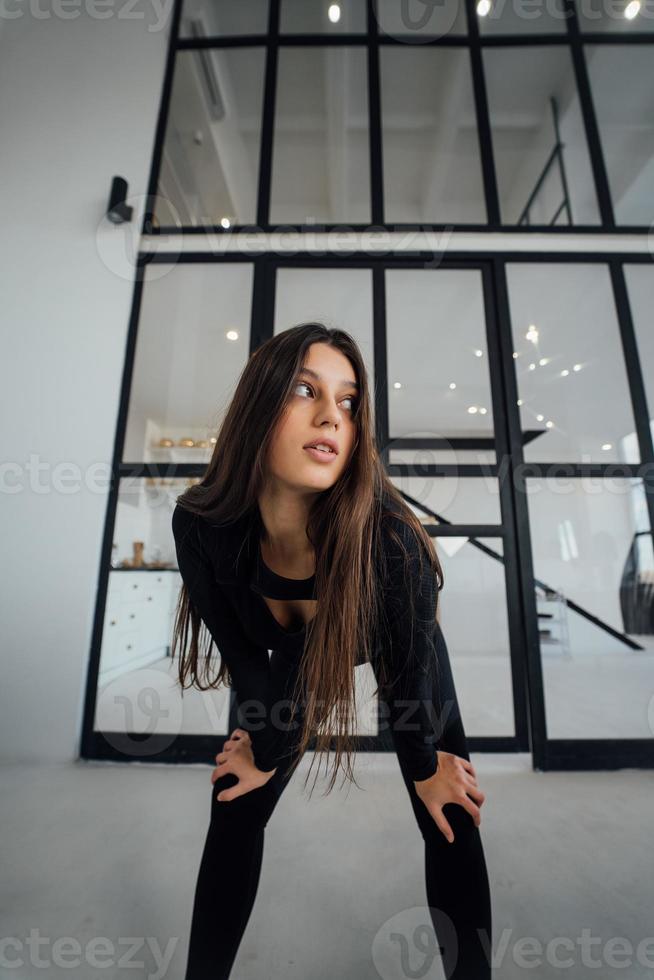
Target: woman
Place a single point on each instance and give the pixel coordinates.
(296, 544)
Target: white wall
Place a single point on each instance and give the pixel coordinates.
(79, 98)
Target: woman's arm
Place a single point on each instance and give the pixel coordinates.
(248, 663)
(410, 601)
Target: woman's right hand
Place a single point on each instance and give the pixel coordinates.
(454, 781)
(237, 757)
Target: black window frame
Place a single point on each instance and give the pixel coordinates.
(573, 39)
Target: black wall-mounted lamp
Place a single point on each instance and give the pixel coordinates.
(118, 211)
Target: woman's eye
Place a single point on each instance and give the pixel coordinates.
(348, 398)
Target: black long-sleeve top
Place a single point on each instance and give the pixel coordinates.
(226, 579)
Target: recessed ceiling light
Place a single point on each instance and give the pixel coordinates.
(540, 417)
(519, 402)
(565, 373)
(452, 385)
(576, 367)
(632, 9)
(334, 13)
(532, 333)
(515, 354)
(482, 411)
(225, 222)
(479, 353)
(397, 384)
(549, 424)
(472, 409)
(532, 367)
(483, 7)
(606, 446)
(232, 334)
(543, 361)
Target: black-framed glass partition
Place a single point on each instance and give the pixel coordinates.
(543, 531)
(512, 384)
(469, 113)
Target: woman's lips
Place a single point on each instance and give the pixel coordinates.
(320, 455)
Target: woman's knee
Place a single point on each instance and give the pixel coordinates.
(246, 813)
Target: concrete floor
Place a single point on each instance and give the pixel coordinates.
(103, 850)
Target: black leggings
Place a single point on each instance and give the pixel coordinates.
(456, 878)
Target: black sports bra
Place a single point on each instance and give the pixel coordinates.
(275, 586)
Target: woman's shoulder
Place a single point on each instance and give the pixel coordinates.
(397, 536)
(224, 544)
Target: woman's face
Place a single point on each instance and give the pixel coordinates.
(321, 409)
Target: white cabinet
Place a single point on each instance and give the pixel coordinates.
(138, 620)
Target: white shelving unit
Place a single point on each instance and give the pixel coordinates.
(138, 620)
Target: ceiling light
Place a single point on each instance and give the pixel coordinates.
(532, 367)
(479, 353)
(606, 446)
(472, 409)
(543, 361)
(397, 384)
(519, 402)
(482, 411)
(632, 9)
(232, 334)
(483, 7)
(452, 385)
(515, 354)
(576, 367)
(540, 417)
(532, 333)
(549, 424)
(334, 13)
(565, 373)
(225, 223)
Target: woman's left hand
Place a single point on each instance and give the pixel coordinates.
(237, 757)
(455, 781)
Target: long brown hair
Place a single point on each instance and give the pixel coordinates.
(343, 527)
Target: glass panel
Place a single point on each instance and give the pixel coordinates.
(529, 89)
(321, 168)
(185, 365)
(473, 570)
(458, 500)
(205, 18)
(572, 382)
(618, 16)
(622, 83)
(339, 298)
(640, 286)
(137, 685)
(438, 378)
(521, 17)
(432, 170)
(210, 164)
(315, 17)
(414, 21)
(589, 548)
